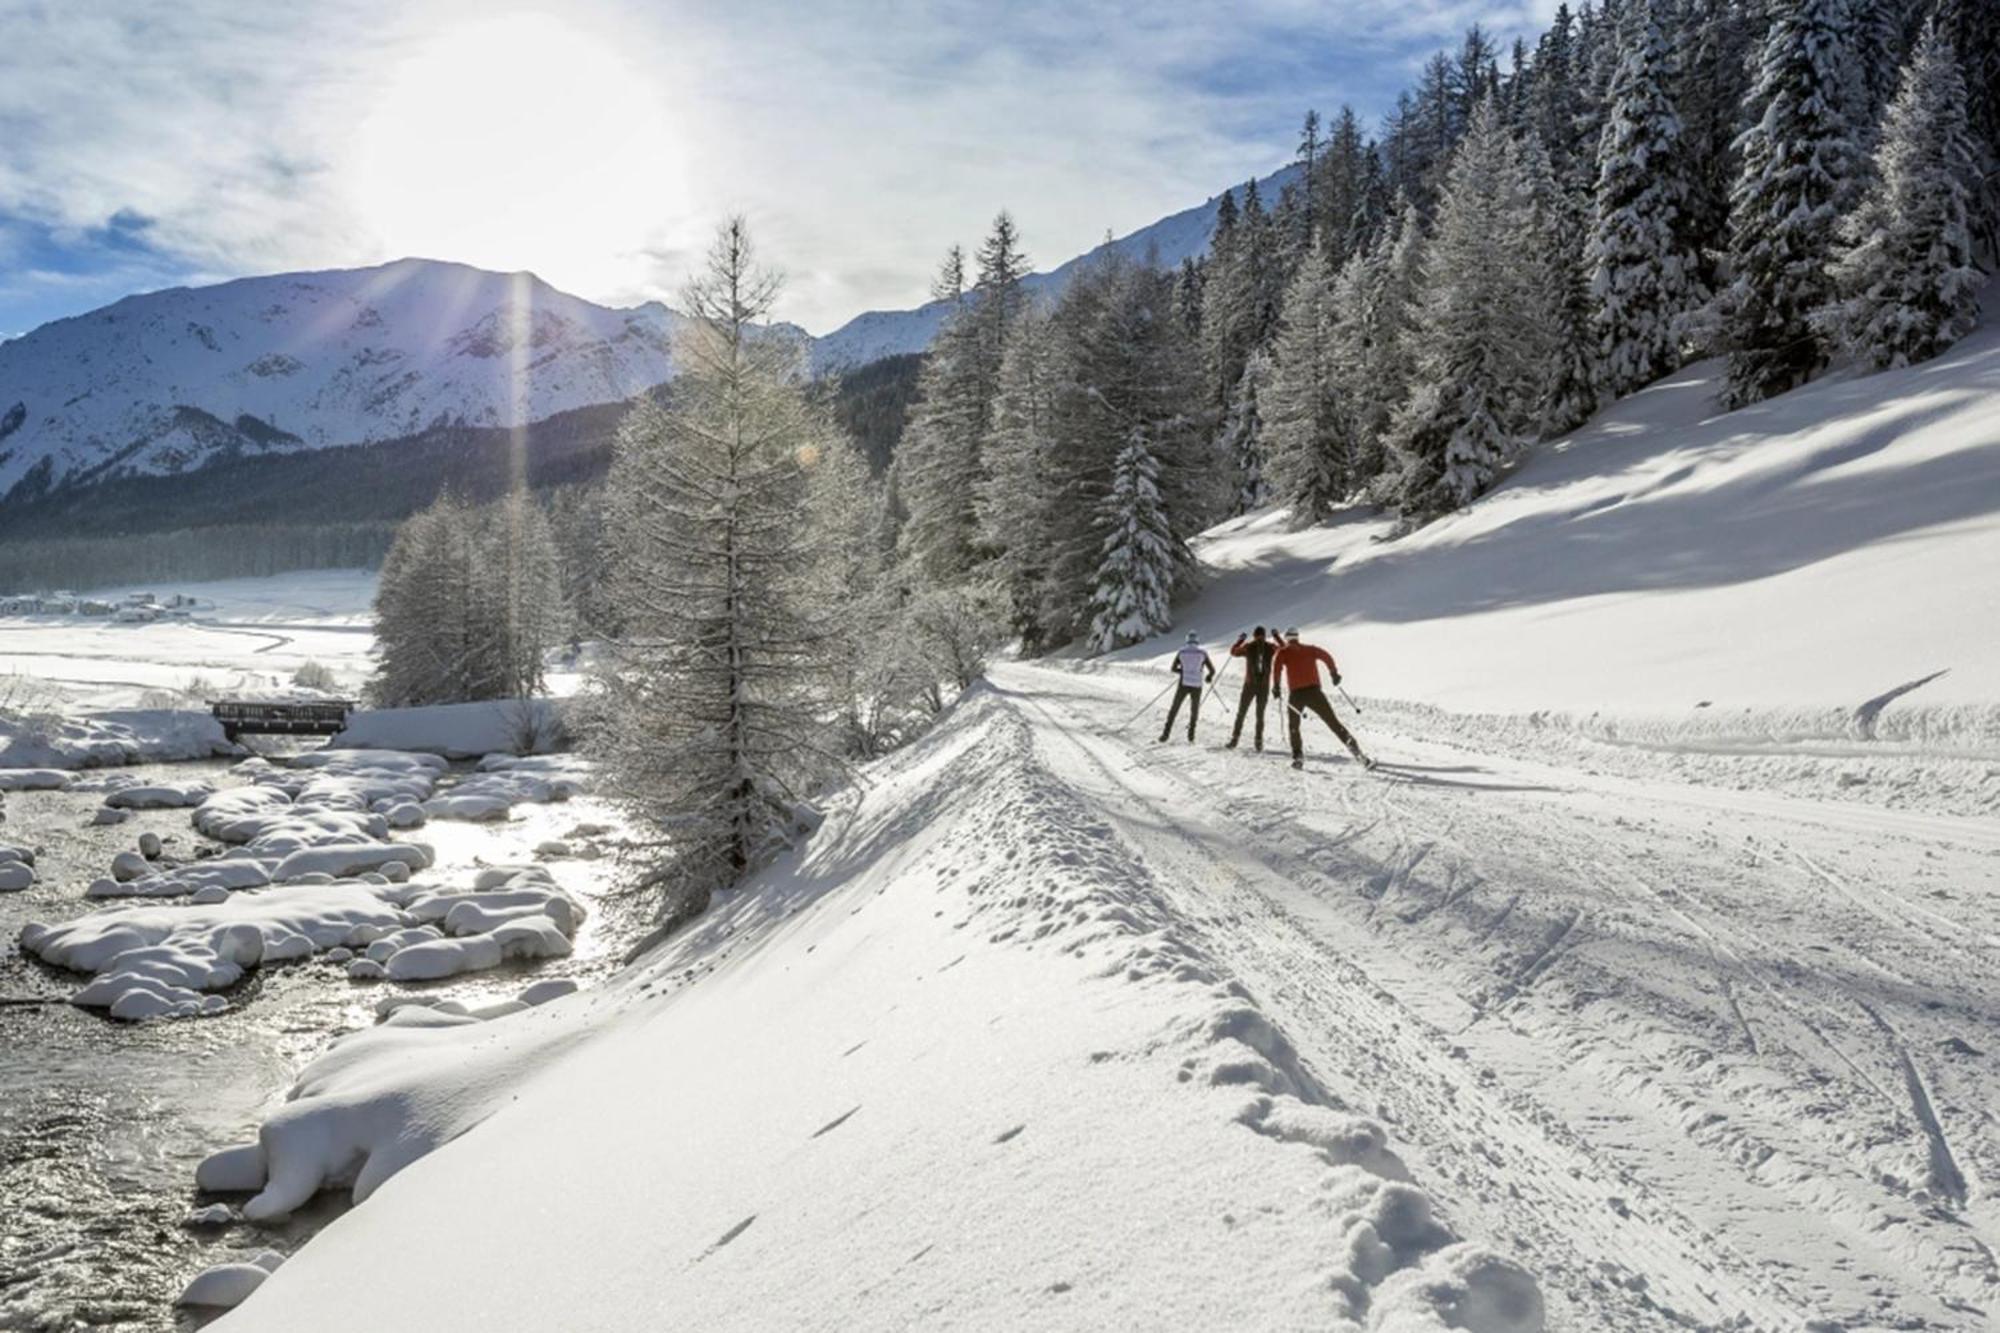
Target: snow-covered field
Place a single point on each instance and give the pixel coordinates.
(245, 635)
(1649, 984)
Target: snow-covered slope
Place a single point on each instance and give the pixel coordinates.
(879, 333)
(172, 380)
(1824, 563)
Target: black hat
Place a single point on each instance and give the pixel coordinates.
(1258, 632)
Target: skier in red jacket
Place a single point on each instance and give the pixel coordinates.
(1297, 669)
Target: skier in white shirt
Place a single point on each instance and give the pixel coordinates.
(1189, 664)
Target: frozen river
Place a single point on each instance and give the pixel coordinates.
(102, 1123)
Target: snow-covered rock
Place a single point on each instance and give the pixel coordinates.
(17, 778)
(110, 738)
(159, 796)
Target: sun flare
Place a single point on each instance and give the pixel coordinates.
(519, 142)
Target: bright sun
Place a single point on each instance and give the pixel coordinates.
(519, 142)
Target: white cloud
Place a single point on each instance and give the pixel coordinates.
(861, 138)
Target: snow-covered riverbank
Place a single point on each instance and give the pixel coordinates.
(103, 1125)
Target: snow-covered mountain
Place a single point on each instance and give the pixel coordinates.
(171, 381)
(879, 333)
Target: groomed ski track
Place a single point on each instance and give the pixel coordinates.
(1697, 1057)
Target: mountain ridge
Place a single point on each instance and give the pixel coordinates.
(169, 382)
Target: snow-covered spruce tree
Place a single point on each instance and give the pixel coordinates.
(942, 450)
(1125, 374)
(1378, 292)
(1799, 171)
(1242, 445)
(1568, 391)
(1718, 38)
(1017, 504)
(1133, 599)
(1307, 428)
(1642, 272)
(1477, 338)
(1906, 282)
(715, 697)
(1974, 29)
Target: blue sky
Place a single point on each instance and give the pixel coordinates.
(596, 142)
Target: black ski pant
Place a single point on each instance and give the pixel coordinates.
(1312, 700)
(1191, 696)
(1254, 692)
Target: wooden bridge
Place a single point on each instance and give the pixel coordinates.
(243, 717)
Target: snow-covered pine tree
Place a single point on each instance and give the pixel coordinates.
(1123, 374)
(1341, 184)
(1018, 507)
(1642, 273)
(1799, 171)
(1241, 447)
(949, 284)
(938, 459)
(1974, 29)
(1307, 429)
(943, 445)
(1475, 337)
(718, 691)
(1719, 38)
(1906, 281)
(1568, 391)
(1187, 296)
(1133, 596)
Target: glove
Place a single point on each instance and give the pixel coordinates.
(1336, 678)
(1241, 637)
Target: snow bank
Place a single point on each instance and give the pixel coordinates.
(959, 1065)
(96, 740)
(459, 731)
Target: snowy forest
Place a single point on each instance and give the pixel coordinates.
(1527, 236)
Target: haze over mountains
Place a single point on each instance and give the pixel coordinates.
(170, 382)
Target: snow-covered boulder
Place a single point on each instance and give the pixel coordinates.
(34, 779)
(159, 796)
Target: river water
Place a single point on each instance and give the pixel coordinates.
(103, 1123)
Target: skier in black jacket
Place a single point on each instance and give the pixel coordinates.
(1256, 652)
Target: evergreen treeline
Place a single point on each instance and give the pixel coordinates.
(469, 604)
(189, 555)
(1774, 181)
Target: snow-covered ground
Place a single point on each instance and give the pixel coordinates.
(246, 635)
(1650, 983)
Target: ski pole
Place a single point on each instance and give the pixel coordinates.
(1350, 698)
(1217, 681)
(1149, 704)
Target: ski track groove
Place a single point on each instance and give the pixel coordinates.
(1318, 988)
(1753, 1292)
